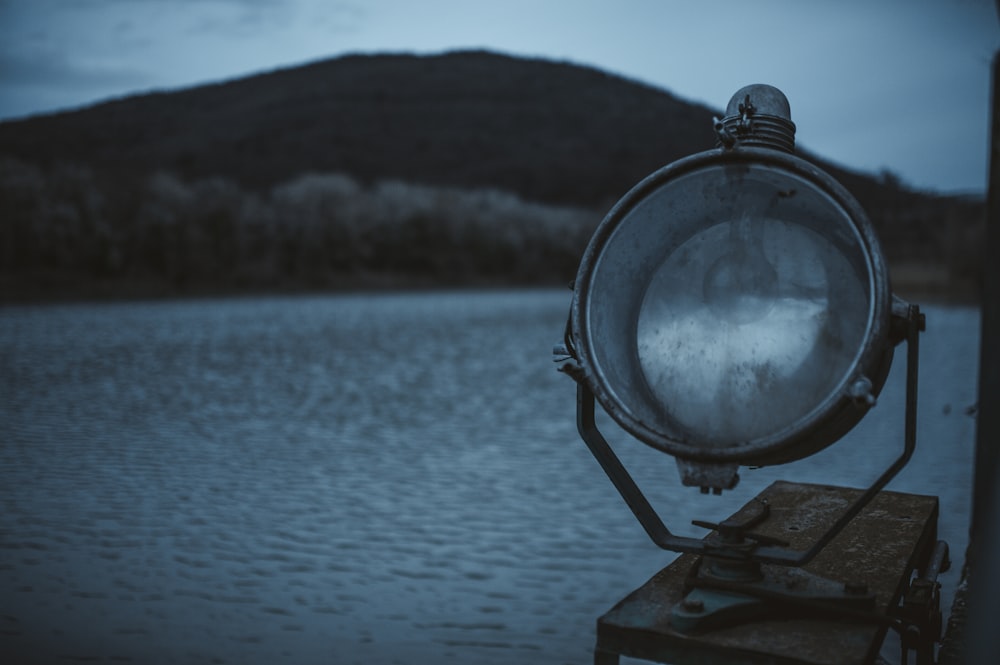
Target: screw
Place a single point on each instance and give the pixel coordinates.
(693, 605)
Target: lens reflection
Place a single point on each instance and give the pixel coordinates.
(740, 286)
(737, 334)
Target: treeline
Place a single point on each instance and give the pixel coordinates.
(68, 229)
(202, 189)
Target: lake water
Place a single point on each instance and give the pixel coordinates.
(375, 479)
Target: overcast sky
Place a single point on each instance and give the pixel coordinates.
(873, 84)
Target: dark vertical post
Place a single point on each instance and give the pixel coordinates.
(988, 416)
(984, 548)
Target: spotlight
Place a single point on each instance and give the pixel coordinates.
(734, 308)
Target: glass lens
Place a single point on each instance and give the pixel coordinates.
(747, 327)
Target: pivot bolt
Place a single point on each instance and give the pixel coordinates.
(693, 605)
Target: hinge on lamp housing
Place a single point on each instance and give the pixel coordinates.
(726, 138)
(743, 126)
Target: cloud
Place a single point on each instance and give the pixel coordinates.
(47, 67)
(132, 3)
(247, 19)
(56, 54)
(41, 79)
(99, 47)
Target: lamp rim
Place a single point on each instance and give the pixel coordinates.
(833, 416)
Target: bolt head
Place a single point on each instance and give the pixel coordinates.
(693, 605)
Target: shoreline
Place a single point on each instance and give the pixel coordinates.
(14, 294)
(918, 287)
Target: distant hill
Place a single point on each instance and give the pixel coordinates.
(548, 131)
(551, 133)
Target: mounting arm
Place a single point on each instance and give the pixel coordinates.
(911, 324)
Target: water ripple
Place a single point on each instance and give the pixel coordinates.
(357, 479)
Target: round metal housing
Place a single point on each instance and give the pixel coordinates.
(734, 306)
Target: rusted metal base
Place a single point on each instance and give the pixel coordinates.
(893, 536)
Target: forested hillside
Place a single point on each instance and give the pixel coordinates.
(366, 171)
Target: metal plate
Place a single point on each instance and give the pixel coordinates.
(879, 548)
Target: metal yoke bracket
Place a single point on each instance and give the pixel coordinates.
(907, 324)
